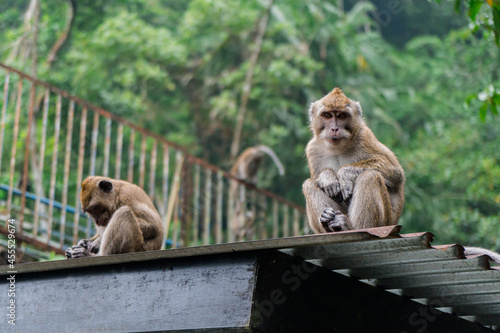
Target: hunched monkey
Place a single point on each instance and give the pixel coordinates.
(356, 181)
(125, 218)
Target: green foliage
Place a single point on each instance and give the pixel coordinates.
(178, 67)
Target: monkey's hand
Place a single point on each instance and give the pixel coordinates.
(95, 245)
(85, 243)
(347, 177)
(77, 251)
(329, 183)
(92, 246)
(334, 220)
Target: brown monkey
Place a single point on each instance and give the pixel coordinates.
(248, 163)
(245, 168)
(124, 215)
(356, 182)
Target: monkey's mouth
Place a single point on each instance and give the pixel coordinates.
(101, 221)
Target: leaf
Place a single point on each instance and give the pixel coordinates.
(483, 111)
(458, 4)
(474, 7)
(493, 106)
(496, 21)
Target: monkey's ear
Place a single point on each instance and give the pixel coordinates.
(105, 186)
(312, 110)
(358, 106)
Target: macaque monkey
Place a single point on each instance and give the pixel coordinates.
(356, 182)
(248, 163)
(125, 218)
(245, 168)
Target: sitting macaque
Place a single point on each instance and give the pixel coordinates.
(125, 218)
(356, 182)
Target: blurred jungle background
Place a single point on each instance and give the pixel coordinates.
(195, 71)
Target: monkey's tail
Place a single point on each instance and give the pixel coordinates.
(272, 154)
(477, 251)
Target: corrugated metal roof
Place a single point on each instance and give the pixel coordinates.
(403, 264)
(408, 265)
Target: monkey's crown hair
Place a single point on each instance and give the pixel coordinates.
(335, 99)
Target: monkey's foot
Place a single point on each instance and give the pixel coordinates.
(334, 220)
(77, 251)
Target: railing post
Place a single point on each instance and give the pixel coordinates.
(27, 154)
(4, 114)
(79, 175)
(186, 203)
(14, 146)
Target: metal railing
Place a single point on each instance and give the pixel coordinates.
(199, 203)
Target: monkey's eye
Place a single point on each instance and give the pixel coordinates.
(341, 115)
(326, 115)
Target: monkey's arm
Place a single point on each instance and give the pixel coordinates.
(329, 183)
(392, 173)
(323, 213)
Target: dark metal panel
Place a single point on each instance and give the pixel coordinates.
(206, 293)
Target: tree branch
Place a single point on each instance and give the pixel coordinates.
(247, 84)
(62, 39)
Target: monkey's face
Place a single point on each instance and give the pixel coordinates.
(98, 198)
(335, 126)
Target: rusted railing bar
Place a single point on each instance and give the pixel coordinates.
(231, 211)
(157, 137)
(142, 162)
(4, 114)
(41, 162)
(130, 171)
(53, 170)
(29, 240)
(208, 201)
(24, 181)
(101, 111)
(175, 233)
(166, 169)
(152, 170)
(263, 221)
(296, 226)
(196, 201)
(248, 185)
(305, 223)
(119, 148)
(174, 196)
(275, 219)
(79, 173)
(286, 224)
(253, 226)
(93, 145)
(107, 148)
(218, 217)
(67, 160)
(14, 145)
